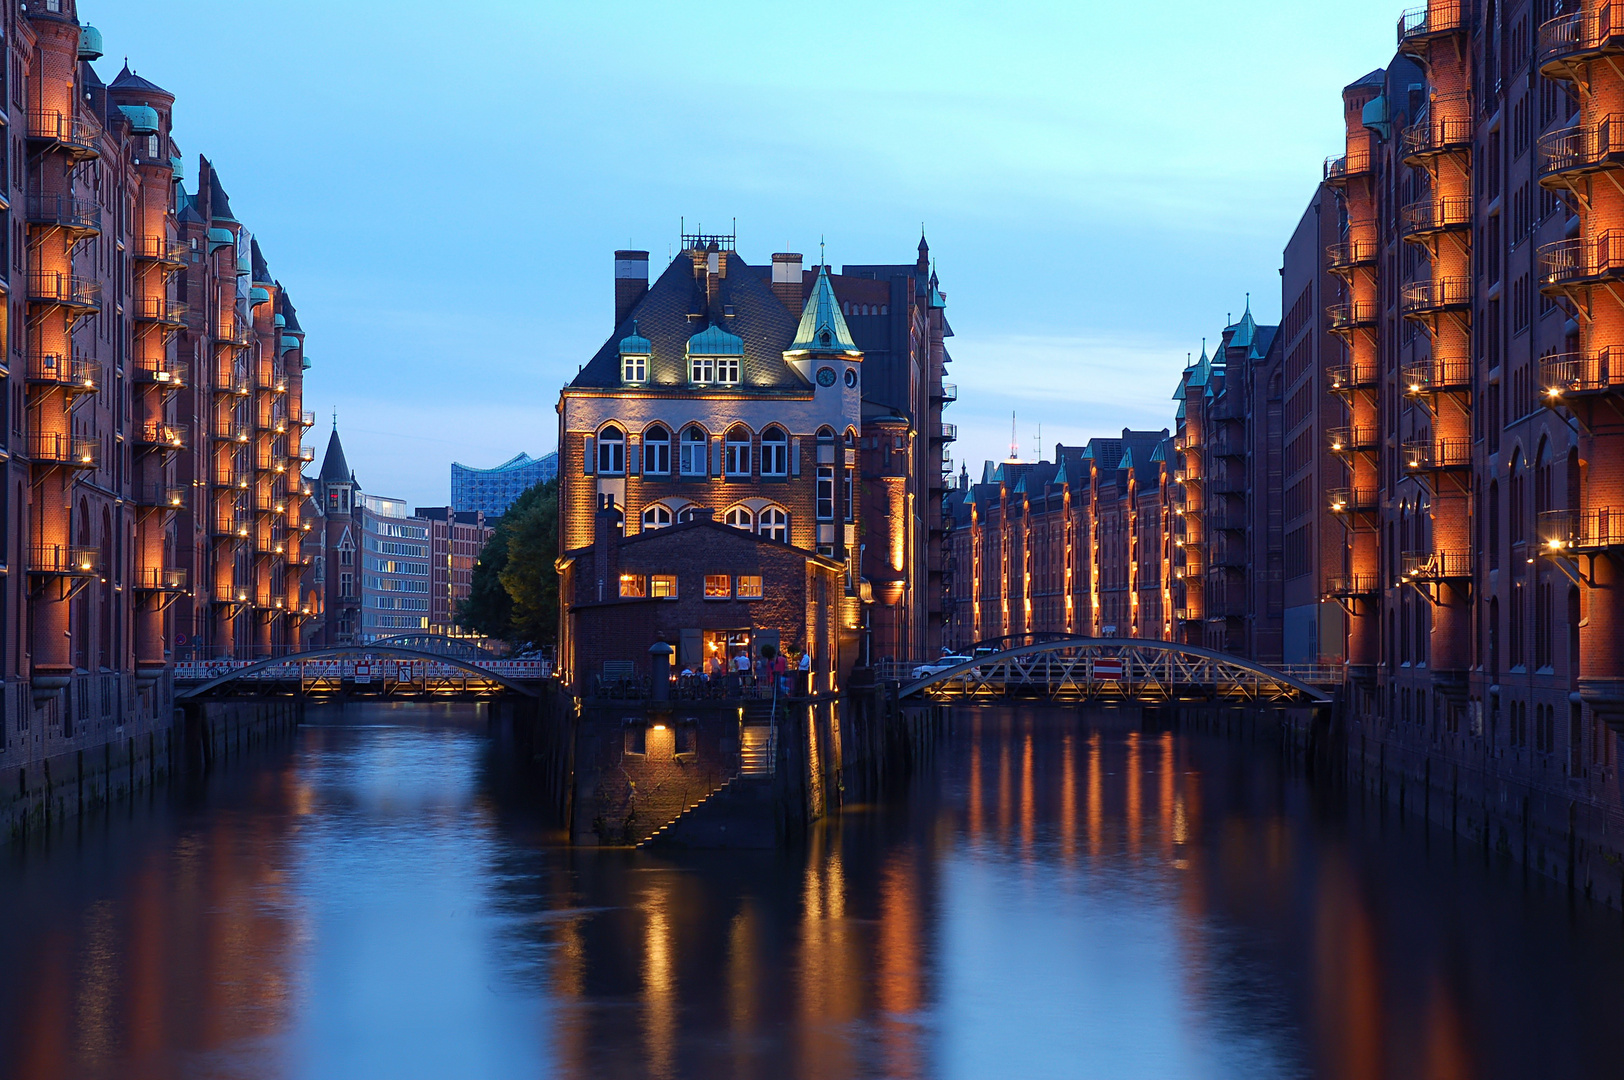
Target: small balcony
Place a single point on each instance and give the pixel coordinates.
(1227, 519)
(1357, 439)
(1577, 38)
(1349, 377)
(73, 135)
(1444, 126)
(1435, 565)
(1573, 375)
(160, 437)
(79, 218)
(1420, 456)
(161, 250)
(232, 380)
(1423, 299)
(159, 310)
(307, 419)
(271, 377)
(1339, 170)
(949, 433)
(226, 475)
(81, 295)
(64, 560)
(72, 451)
(169, 374)
(232, 526)
(1350, 254)
(1352, 586)
(1351, 315)
(160, 496)
(234, 331)
(1599, 528)
(307, 453)
(266, 502)
(161, 579)
(947, 394)
(1570, 153)
(1574, 263)
(1437, 376)
(1227, 443)
(230, 429)
(76, 374)
(271, 463)
(270, 544)
(1419, 26)
(1425, 218)
(1352, 500)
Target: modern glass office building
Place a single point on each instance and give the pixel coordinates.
(493, 490)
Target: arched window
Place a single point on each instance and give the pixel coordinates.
(657, 450)
(773, 523)
(611, 451)
(1518, 507)
(685, 515)
(657, 516)
(736, 452)
(1494, 524)
(774, 452)
(826, 434)
(739, 518)
(694, 447)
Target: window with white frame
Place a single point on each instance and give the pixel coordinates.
(736, 452)
(773, 523)
(774, 452)
(851, 506)
(739, 518)
(657, 450)
(727, 370)
(633, 368)
(826, 493)
(657, 516)
(695, 447)
(702, 369)
(611, 451)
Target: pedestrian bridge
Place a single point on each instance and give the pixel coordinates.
(376, 669)
(1123, 669)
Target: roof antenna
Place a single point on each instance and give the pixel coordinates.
(821, 262)
(335, 420)
(1014, 444)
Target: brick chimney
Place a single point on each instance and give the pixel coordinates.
(606, 548)
(631, 282)
(787, 280)
(715, 271)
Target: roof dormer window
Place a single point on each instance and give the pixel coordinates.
(635, 351)
(715, 357)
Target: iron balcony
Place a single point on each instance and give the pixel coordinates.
(67, 290)
(1436, 376)
(1352, 585)
(55, 448)
(1598, 528)
(1226, 443)
(1339, 170)
(1569, 263)
(1352, 440)
(1569, 153)
(170, 374)
(1348, 377)
(1352, 500)
(73, 135)
(1418, 26)
(1440, 213)
(1420, 299)
(78, 374)
(64, 560)
(160, 249)
(161, 437)
(1565, 375)
(230, 429)
(1435, 455)
(160, 496)
(1349, 254)
(161, 579)
(1443, 126)
(1435, 565)
(1351, 315)
(158, 309)
(232, 526)
(233, 331)
(1578, 37)
(79, 217)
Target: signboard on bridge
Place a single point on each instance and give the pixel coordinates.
(1108, 667)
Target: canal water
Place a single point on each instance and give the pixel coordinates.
(1061, 895)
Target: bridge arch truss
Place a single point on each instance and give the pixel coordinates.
(331, 670)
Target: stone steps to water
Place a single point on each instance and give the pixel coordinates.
(739, 814)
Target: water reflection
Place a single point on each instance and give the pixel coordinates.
(1063, 896)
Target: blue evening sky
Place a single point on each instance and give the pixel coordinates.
(441, 186)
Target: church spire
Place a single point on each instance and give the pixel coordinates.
(823, 328)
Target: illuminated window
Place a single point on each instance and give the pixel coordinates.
(749, 587)
(634, 368)
(736, 452)
(718, 587)
(657, 450)
(773, 523)
(657, 516)
(774, 452)
(633, 586)
(694, 449)
(702, 369)
(611, 451)
(739, 518)
(663, 586)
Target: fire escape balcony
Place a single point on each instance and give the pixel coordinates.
(268, 502)
(1444, 126)
(1339, 170)
(272, 377)
(307, 454)
(1418, 27)
(1599, 528)
(234, 331)
(79, 218)
(76, 374)
(1348, 377)
(232, 526)
(1353, 500)
(160, 437)
(1575, 263)
(1579, 37)
(1231, 557)
(1570, 153)
(160, 310)
(268, 462)
(1436, 376)
(307, 418)
(1422, 456)
(1352, 585)
(160, 496)
(63, 560)
(73, 451)
(226, 475)
(230, 429)
(270, 543)
(73, 135)
(1223, 484)
(1227, 519)
(1570, 375)
(169, 374)
(1425, 218)
(160, 579)
(949, 433)
(81, 295)
(232, 380)
(160, 250)
(1351, 315)
(1423, 299)
(1194, 565)
(1435, 565)
(1349, 255)
(947, 394)
(1228, 444)
(1357, 439)
(273, 424)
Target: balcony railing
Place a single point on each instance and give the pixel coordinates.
(950, 433)
(160, 496)
(270, 377)
(266, 502)
(1349, 440)
(53, 287)
(1228, 519)
(307, 453)
(160, 578)
(1350, 253)
(74, 451)
(1440, 294)
(1435, 455)
(1338, 170)
(1599, 528)
(1351, 314)
(233, 331)
(160, 249)
(1352, 500)
(230, 379)
(157, 309)
(231, 429)
(307, 418)
(65, 559)
(1583, 148)
(1575, 374)
(161, 436)
(1436, 214)
(1227, 443)
(1348, 376)
(1435, 565)
(81, 217)
(1577, 35)
(1437, 17)
(948, 392)
(1444, 125)
(232, 525)
(1575, 262)
(166, 373)
(77, 373)
(1352, 585)
(77, 135)
(1436, 376)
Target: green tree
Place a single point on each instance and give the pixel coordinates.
(515, 588)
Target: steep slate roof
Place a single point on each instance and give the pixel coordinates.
(219, 205)
(261, 269)
(129, 80)
(822, 325)
(759, 318)
(284, 308)
(334, 469)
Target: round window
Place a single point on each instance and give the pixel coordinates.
(851, 377)
(826, 376)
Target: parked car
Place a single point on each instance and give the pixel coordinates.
(941, 663)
